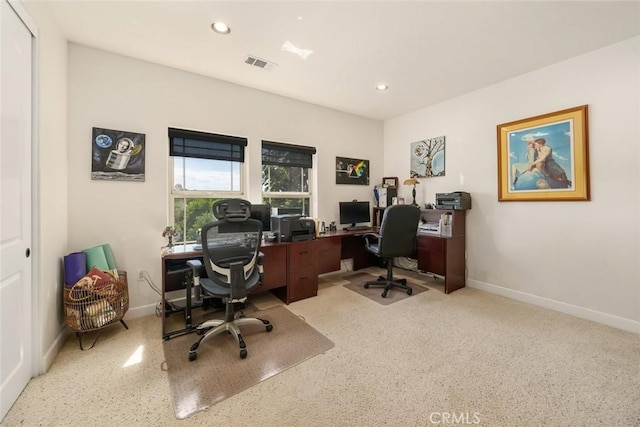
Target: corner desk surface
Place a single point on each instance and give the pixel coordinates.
(291, 269)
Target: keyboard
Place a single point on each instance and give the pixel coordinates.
(358, 228)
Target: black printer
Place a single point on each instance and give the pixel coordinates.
(293, 228)
(458, 200)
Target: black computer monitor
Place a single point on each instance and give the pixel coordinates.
(354, 212)
(263, 214)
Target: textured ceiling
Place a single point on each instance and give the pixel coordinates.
(426, 51)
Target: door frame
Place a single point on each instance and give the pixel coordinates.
(37, 360)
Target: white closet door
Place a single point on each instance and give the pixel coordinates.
(15, 206)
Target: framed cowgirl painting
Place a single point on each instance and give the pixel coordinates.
(545, 158)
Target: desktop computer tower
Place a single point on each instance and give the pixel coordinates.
(386, 195)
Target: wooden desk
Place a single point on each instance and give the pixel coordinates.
(290, 269)
(334, 246)
(175, 260)
(300, 267)
(444, 255)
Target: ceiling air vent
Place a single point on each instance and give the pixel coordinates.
(260, 63)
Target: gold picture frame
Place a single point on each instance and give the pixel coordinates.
(390, 181)
(545, 158)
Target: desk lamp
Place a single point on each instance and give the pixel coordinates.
(412, 181)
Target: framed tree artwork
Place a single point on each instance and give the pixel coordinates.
(427, 157)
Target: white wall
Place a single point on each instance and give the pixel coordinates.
(578, 257)
(117, 92)
(51, 234)
(564, 255)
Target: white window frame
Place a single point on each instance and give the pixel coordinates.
(294, 194)
(198, 194)
(204, 145)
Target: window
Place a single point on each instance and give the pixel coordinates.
(286, 175)
(206, 167)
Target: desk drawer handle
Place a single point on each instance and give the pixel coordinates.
(303, 252)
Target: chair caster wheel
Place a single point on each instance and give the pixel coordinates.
(409, 291)
(269, 328)
(384, 294)
(243, 354)
(366, 286)
(193, 356)
(200, 331)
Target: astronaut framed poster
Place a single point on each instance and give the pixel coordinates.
(117, 155)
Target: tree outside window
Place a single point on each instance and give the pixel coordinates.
(206, 168)
(286, 175)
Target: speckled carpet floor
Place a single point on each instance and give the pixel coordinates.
(218, 372)
(485, 359)
(357, 281)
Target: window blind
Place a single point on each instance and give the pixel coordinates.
(203, 145)
(280, 154)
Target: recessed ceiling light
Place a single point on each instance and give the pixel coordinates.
(220, 28)
(382, 87)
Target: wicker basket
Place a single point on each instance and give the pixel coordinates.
(88, 307)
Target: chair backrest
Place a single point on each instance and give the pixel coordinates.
(398, 231)
(232, 210)
(230, 246)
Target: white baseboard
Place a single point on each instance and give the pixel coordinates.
(573, 310)
(145, 310)
(53, 350)
(47, 358)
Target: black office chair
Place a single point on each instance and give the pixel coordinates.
(232, 259)
(397, 237)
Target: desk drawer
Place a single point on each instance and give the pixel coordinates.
(302, 255)
(275, 267)
(432, 254)
(328, 258)
(303, 283)
(432, 262)
(303, 271)
(431, 243)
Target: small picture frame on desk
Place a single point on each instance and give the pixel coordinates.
(390, 181)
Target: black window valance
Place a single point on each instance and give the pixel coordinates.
(280, 154)
(203, 145)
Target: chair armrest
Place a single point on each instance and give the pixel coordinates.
(196, 266)
(370, 238)
(260, 267)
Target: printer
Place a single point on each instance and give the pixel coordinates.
(458, 201)
(293, 228)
